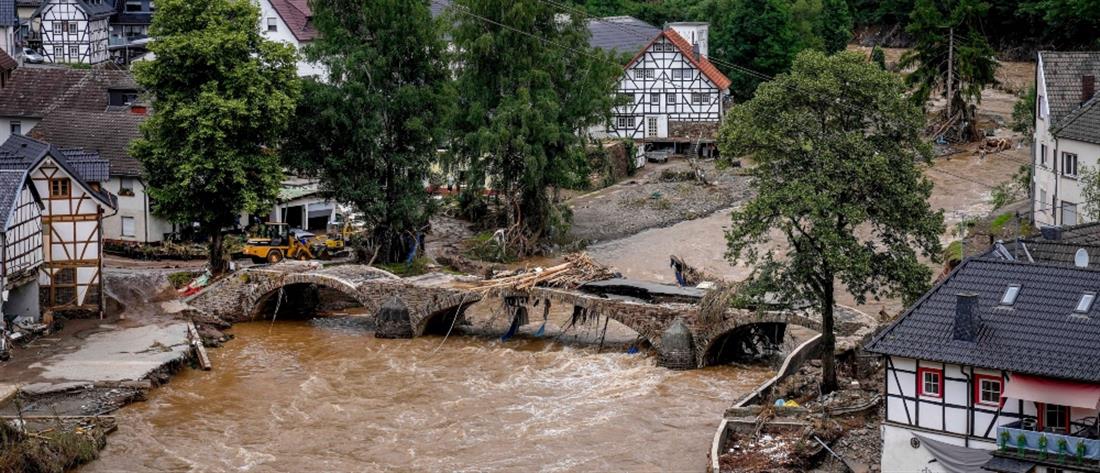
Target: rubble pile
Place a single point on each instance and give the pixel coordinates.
(577, 269)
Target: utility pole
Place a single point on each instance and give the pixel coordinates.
(950, 69)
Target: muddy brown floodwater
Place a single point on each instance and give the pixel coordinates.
(325, 395)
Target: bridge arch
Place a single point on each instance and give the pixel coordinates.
(259, 297)
(745, 326)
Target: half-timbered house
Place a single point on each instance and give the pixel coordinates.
(75, 31)
(995, 369)
(21, 240)
(74, 206)
(672, 96)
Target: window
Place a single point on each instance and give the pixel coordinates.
(126, 186)
(272, 24)
(1069, 164)
(625, 122)
(987, 389)
(73, 29)
(930, 382)
(127, 226)
(60, 187)
(698, 98)
(652, 128)
(1043, 155)
(1011, 292)
(1042, 200)
(1039, 105)
(1055, 418)
(1069, 213)
(655, 99)
(59, 26)
(644, 73)
(64, 276)
(16, 127)
(681, 74)
(1085, 303)
(74, 52)
(670, 99)
(58, 53)
(133, 5)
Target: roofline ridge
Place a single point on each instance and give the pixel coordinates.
(923, 298)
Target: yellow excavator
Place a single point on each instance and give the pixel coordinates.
(274, 242)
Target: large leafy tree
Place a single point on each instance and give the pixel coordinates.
(834, 26)
(526, 92)
(837, 148)
(222, 95)
(754, 34)
(972, 66)
(371, 130)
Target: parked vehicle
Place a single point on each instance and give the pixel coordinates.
(33, 57)
(275, 242)
(5, 334)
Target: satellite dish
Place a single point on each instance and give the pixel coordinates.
(1081, 258)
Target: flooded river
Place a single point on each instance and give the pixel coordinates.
(325, 395)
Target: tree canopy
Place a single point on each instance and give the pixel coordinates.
(371, 129)
(222, 96)
(756, 34)
(525, 92)
(837, 149)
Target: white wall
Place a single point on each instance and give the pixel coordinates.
(283, 34)
(148, 228)
(898, 454)
(27, 125)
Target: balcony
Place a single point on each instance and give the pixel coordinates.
(1021, 440)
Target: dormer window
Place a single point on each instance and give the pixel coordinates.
(1085, 303)
(1011, 292)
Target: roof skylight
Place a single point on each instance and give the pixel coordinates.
(1085, 303)
(1011, 292)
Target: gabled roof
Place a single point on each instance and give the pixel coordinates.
(23, 153)
(1039, 334)
(1062, 71)
(702, 63)
(34, 92)
(1082, 124)
(107, 133)
(620, 34)
(93, 8)
(7, 63)
(11, 186)
(298, 18)
(7, 13)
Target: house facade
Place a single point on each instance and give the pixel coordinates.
(290, 22)
(74, 31)
(1067, 134)
(993, 366)
(672, 95)
(21, 238)
(74, 204)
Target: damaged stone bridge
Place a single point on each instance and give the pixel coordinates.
(251, 293)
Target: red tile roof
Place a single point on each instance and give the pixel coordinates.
(298, 17)
(7, 64)
(703, 64)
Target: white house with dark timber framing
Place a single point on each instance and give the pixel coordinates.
(673, 94)
(75, 31)
(21, 238)
(996, 369)
(68, 182)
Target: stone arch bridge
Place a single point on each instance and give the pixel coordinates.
(682, 338)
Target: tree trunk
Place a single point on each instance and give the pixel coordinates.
(828, 341)
(217, 258)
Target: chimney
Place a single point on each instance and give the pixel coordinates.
(138, 109)
(1088, 88)
(967, 322)
(694, 33)
(1052, 233)
(695, 51)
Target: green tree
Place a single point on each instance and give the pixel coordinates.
(837, 148)
(1090, 193)
(222, 95)
(834, 25)
(526, 92)
(973, 66)
(878, 56)
(1023, 114)
(805, 21)
(757, 34)
(371, 130)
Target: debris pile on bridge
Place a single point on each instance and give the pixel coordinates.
(577, 269)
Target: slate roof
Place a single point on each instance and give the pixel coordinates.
(703, 64)
(1040, 334)
(23, 153)
(7, 13)
(11, 185)
(106, 133)
(298, 18)
(34, 92)
(1082, 124)
(1053, 252)
(620, 34)
(1062, 71)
